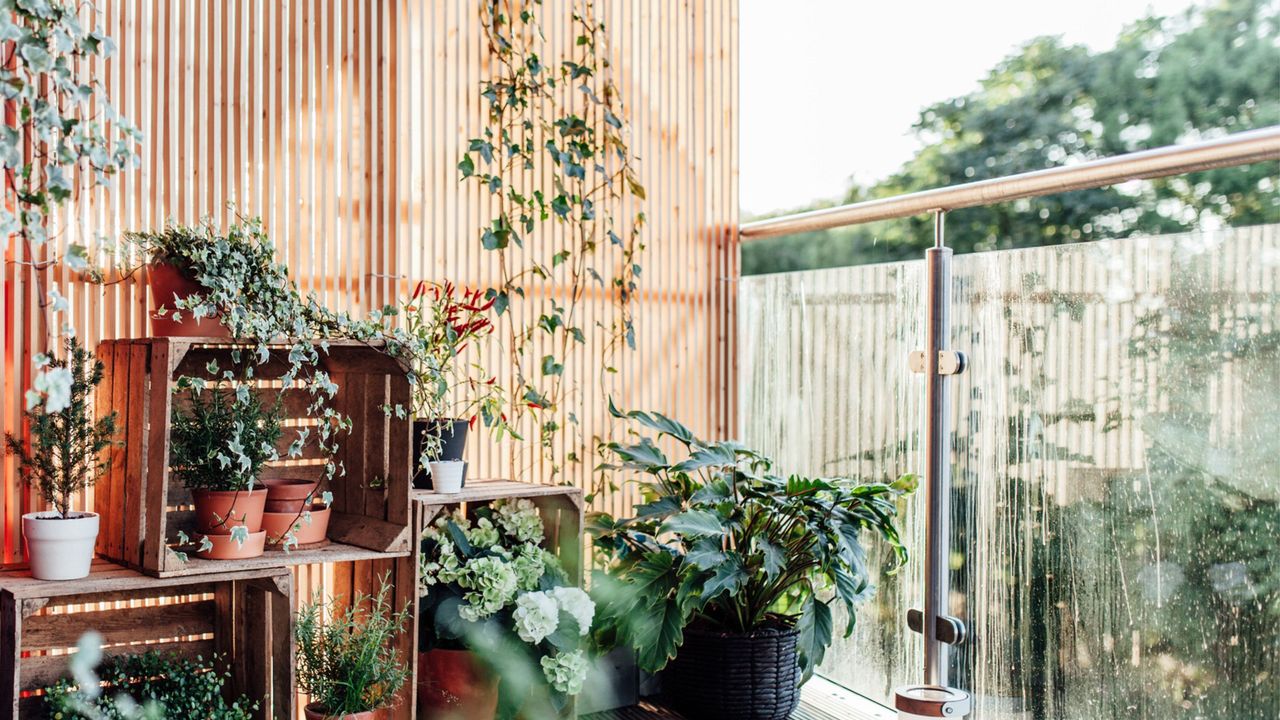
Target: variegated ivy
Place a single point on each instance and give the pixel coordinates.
(564, 116)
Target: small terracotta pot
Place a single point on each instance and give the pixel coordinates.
(277, 524)
(217, 511)
(224, 548)
(453, 684)
(168, 285)
(316, 712)
(288, 494)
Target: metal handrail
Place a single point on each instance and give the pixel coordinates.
(1239, 149)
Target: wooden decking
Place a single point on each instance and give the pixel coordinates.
(819, 700)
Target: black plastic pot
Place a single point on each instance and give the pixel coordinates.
(725, 676)
(453, 444)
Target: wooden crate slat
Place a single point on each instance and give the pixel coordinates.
(377, 470)
(350, 498)
(137, 417)
(104, 403)
(48, 632)
(154, 479)
(399, 453)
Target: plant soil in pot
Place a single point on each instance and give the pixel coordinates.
(218, 511)
(288, 494)
(168, 285)
(225, 547)
(59, 548)
(453, 684)
(727, 676)
(305, 533)
(317, 712)
(452, 441)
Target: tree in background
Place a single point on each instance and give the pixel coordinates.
(1211, 71)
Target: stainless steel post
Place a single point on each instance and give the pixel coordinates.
(937, 585)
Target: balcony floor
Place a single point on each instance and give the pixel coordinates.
(819, 700)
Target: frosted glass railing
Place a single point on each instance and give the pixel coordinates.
(1116, 526)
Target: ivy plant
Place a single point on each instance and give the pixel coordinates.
(724, 542)
(66, 453)
(564, 117)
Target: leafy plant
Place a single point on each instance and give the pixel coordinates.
(446, 323)
(149, 685)
(722, 541)
(350, 664)
(564, 117)
(66, 451)
(488, 586)
(61, 128)
(222, 443)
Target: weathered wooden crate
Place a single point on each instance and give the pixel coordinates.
(559, 505)
(243, 617)
(144, 507)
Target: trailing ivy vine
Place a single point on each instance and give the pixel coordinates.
(555, 149)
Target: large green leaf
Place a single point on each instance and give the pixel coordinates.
(714, 455)
(852, 590)
(705, 554)
(662, 506)
(815, 634)
(694, 523)
(666, 633)
(656, 422)
(774, 559)
(728, 577)
(643, 455)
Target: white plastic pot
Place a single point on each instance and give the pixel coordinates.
(447, 476)
(59, 548)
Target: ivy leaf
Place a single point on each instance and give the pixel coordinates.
(550, 366)
(559, 258)
(467, 166)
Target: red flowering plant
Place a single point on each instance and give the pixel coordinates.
(450, 386)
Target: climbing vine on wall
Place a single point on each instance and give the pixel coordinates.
(554, 152)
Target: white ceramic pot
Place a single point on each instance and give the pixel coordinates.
(447, 476)
(59, 548)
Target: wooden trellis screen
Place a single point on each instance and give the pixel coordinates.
(341, 122)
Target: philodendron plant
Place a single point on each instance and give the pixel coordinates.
(724, 542)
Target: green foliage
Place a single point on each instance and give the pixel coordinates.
(65, 127)
(67, 445)
(723, 541)
(488, 586)
(221, 442)
(149, 685)
(1211, 71)
(555, 149)
(350, 664)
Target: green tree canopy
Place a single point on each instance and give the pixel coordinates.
(1211, 71)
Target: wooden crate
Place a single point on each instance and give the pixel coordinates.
(243, 616)
(559, 505)
(143, 507)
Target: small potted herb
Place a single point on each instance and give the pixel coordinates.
(210, 282)
(65, 457)
(218, 446)
(725, 569)
(450, 393)
(349, 665)
(148, 685)
(503, 631)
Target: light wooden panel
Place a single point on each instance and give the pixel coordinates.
(341, 123)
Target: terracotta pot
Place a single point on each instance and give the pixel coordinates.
(224, 548)
(288, 494)
(277, 524)
(217, 511)
(316, 712)
(59, 548)
(453, 684)
(168, 285)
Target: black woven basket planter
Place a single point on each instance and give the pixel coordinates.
(723, 676)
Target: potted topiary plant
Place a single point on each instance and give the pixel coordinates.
(450, 393)
(218, 445)
(349, 666)
(148, 685)
(725, 568)
(65, 457)
(503, 631)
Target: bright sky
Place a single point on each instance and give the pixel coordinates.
(830, 88)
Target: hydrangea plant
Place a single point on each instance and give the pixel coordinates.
(490, 587)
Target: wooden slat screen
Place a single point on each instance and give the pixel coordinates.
(341, 122)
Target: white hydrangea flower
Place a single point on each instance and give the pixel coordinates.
(536, 616)
(566, 672)
(529, 566)
(578, 604)
(484, 534)
(492, 583)
(519, 518)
